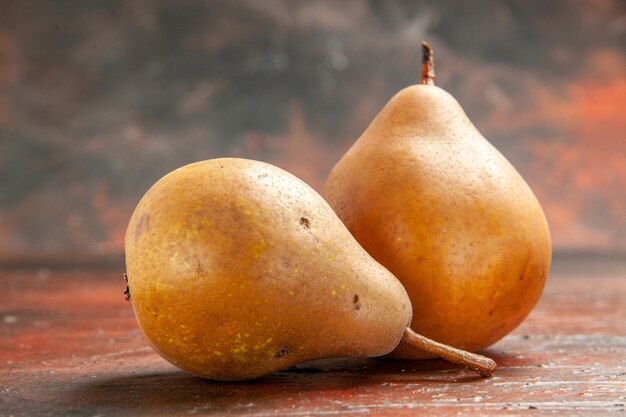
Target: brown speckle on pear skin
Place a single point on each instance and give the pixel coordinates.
(305, 222)
(282, 351)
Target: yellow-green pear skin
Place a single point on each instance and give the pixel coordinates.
(237, 269)
(435, 203)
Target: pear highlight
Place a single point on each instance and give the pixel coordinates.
(237, 269)
(435, 203)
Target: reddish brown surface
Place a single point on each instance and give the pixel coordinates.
(69, 345)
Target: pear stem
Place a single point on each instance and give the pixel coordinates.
(482, 365)
(428, 65)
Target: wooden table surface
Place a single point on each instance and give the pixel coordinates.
(70, 346)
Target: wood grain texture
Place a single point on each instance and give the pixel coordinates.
(69, 345)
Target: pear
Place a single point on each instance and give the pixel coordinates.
(435, 203)
(237, 269)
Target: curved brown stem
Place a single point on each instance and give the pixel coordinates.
(482, 365)
(428, 65)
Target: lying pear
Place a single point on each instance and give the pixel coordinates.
(435, 203)
(237, 269)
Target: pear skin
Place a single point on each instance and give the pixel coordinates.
(435, 203)
(237, 269)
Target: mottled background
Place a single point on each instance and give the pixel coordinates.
(99, 99)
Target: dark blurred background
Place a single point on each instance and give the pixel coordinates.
(99, 99)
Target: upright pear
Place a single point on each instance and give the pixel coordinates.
(434, 202)
(237, 269)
